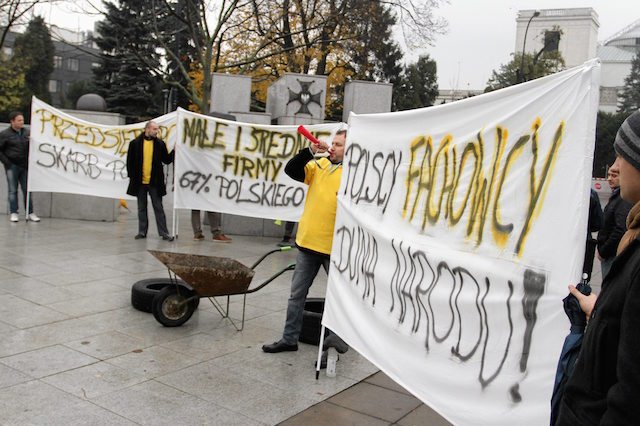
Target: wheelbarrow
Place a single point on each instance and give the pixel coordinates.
(205, 276)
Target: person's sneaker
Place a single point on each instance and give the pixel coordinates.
(33, 218)
(286, 242)
(168, 237)
(140, 237)
(198, 237)
(279, 346)
(221, 238)
(14, 217)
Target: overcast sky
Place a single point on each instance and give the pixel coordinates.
(481, 34)
(480, 38)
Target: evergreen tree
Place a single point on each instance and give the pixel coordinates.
(607, 126)
(124, 37)
(630, 97)
(36, 50)
(418, 85)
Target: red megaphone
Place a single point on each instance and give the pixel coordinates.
(304, 132)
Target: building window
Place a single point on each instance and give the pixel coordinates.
(57, 62)
(95, 65)
(54, 86)
(73, 64)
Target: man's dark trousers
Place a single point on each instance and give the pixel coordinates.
(158, 210)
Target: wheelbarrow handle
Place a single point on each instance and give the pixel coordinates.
(286, 248)
(291, 267)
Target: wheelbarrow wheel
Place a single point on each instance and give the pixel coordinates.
(171, 306)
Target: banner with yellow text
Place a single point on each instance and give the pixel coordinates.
(458, 230)
(70, 155)
(232, 167)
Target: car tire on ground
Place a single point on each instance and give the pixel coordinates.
(143, 292)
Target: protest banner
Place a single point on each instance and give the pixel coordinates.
(232, 167)
(458, 230)
(70, 155)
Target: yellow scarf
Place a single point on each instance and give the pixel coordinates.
(633, 228)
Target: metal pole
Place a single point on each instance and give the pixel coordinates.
(521, 76)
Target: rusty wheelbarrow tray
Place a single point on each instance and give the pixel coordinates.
(206, 276)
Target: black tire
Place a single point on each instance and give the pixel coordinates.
(171, 306)
(143, 292)
(312, 321)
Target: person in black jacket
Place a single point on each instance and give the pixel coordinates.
(594, 225)
(615, 221)
(146, 154)
(14, 154)
(604, 388)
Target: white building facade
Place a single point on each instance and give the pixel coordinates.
(579, 42)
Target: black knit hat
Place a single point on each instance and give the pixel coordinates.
(627, 143)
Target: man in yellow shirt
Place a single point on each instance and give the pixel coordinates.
(146, 154)
(315, 230)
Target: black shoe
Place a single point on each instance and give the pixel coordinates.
(279, 346)
(333, 341)
(168, 237)
(140, 237)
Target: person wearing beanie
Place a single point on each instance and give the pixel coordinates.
(604, 388)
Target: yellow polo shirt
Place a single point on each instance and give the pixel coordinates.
(315, 230)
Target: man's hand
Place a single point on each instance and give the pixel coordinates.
(319, 148)
(586, 302)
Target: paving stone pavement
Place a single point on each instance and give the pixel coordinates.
(74, 351)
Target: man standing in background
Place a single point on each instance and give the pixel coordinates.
(615, 221)
(14, 154)
(146, 154)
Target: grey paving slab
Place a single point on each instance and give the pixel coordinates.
(153, 403)
(107, 345)
(93, 304)
(153, 362)
(6, 273)
(376, 401)
(47, 361)
(204, 346)
(94, 380)
(21, 313)
(10, 376)
(4, 328)
(326, 413)
(37, 403)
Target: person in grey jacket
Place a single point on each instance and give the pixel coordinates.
(14, 154)
(615, 221)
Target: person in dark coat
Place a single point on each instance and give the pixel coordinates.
(593, 225)
(604, 388)
(146, 154)
(615, 221)
(14, 155)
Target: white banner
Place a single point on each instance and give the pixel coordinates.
(70, 155)
(458, 230)
(232, 167)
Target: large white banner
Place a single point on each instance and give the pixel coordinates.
(70, 155)
(232, 167)
(458, 230)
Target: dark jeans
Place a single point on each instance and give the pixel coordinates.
(307, 267)
(158, 210)
(17, 175)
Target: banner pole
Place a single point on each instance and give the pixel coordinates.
(319, 352)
